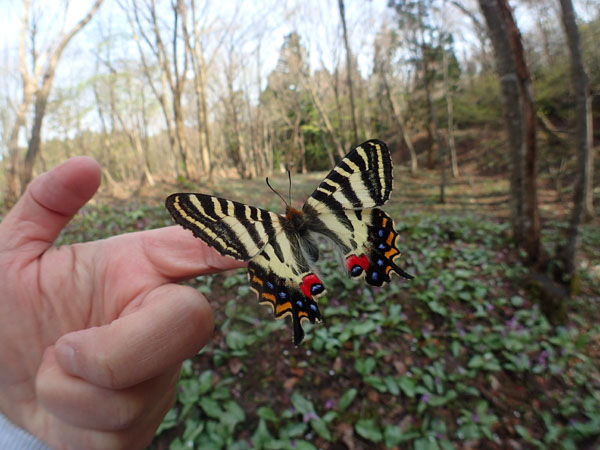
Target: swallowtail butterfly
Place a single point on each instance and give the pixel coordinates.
(283, 250)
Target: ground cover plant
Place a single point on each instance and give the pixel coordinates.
(459, 357)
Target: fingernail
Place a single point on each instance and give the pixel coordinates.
(67, 356)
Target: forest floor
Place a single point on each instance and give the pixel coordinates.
(460, 357)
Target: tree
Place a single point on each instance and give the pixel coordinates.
(173, 68)
(349, 70)
(37, 84)
(383, 54)
(287, 96)
(520, 119)
(579, 82)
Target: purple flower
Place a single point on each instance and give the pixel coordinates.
(424, 398)
(309, 416)
(329, 404)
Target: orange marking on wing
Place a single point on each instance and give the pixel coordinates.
(383, 222)
(391, 253)
(269, 297)
(280, 309)
(302, 314)
(257, 280)
(390, 239)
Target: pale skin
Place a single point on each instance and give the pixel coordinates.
(92, 335)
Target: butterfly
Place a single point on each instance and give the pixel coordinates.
(283, 250)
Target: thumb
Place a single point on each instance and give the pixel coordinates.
(48, 204)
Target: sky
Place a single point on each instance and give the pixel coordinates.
(240, 23)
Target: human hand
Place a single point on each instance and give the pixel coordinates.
(92, 335)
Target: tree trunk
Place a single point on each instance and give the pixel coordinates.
(41, 96)
(199, 66)
(450, 110)
(349, 70)
(398, 122)
(12, 168)
(588, 206)
(532, 239)
(579, 82)
(509, 84)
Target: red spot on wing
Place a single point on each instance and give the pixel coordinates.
(354, 260)
(308, 282)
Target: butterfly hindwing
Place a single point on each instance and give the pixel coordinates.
(285, 297)
(375, 255)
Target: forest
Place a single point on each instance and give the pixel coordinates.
(489, 108)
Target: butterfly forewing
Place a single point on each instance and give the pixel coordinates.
(232, 228)
(362, 179)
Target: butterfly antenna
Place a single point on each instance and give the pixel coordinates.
(278, 194)
(290, 186)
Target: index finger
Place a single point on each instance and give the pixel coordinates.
(175, 253)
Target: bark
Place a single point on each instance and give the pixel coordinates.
(12, 168)
(509, 84)
(172, 78)
(41, 97)
(160, 94)
(199, 66)
(579, 83)
(349, 70)
(450, 111)
(532, 218)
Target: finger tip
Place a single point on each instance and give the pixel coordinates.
(66, 355)
(68, 186)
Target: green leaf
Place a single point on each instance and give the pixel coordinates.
(392, 435)
(261, 436)
(392, 385)
(407, 385)
(347, 398)
(237, 340)
(517, 301)
(368, 429)
(210, 407)
(301, 404)
(321, 428)
(365, 366)
(267, 413)
(233, 414)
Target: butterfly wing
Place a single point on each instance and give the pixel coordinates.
(344, 209)
(282, 279)
(234, 229)
(362, 179)
(278, 271)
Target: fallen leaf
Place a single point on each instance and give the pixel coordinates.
(235, 365)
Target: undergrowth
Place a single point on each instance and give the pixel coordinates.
(457, 358)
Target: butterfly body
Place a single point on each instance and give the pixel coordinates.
(283, 250)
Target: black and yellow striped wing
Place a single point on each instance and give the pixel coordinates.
(362, 179)
(344, 209)
(283, 250)
(278, 272)
(234, 229)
